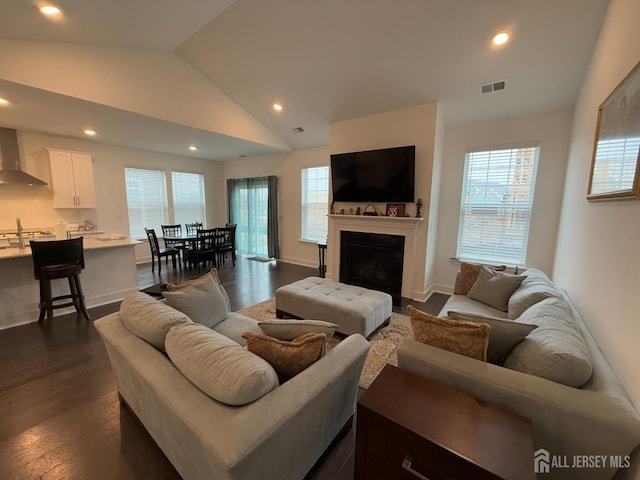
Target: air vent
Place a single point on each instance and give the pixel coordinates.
(297, 129)
(493, 87)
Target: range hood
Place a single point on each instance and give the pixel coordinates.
(10, 172)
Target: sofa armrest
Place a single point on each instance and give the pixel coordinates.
(566, 421)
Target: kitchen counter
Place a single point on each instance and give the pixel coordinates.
(110, 273)
(88, 243)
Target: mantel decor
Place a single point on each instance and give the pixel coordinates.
(615, 166)
(370, 209)
(395, 209)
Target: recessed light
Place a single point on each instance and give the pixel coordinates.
(277, 106)
(50, 10)
(89, 132)
(4, 102)
(193, 148)
(500, 38)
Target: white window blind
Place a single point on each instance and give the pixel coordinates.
(146, 200)
(315, 201)
(188, 197)
(495, 211)
(615, 164)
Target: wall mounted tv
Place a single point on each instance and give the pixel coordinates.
(385, 175)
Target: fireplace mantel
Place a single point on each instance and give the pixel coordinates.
(404, 226)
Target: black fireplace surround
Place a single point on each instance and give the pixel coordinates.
(373, 260)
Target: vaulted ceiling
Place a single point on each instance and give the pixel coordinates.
(161, 75)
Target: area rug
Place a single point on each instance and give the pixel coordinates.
(261, 259)
(384, 342)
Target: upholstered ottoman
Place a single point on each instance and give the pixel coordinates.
(355, 309)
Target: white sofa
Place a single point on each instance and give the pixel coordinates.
(280, 435)
(595, 419)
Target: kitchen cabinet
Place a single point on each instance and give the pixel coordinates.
(72, 177)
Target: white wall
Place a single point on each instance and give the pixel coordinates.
(408, 126)
(35, 204)
(597, 256)
(552, 130)
(287, 167)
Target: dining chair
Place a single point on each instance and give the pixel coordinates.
(156, 251)
(204, 248)
(192, 228)
(226, 243)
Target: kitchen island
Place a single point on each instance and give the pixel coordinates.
(110, 273)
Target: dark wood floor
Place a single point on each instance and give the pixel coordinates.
(61, 418)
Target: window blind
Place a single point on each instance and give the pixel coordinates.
(315, 201)
(188, 197)
(615, 164)
(146, 200)
(495, 210)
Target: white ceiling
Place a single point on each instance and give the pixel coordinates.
(326, 61)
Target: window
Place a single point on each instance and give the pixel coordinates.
(146, 200)
(188, 197)
(315, 200)
(495, 211)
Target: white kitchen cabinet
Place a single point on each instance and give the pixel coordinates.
(72, 176)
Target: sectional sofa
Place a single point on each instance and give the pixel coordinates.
(557, 376)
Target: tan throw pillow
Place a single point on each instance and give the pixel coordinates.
(469, 274)
(287, 358)
(466, 338)
(213, 273)
(291, 329)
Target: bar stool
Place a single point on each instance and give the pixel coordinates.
(59, 259)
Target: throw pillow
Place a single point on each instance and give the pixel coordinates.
(503, 336)
(287, 358)
(555, 350)
(469, 274)
(494, 288)
(219, 366)
(149, 319)
(291, 329)
(214, 274)
(466, 338)
(202, 302)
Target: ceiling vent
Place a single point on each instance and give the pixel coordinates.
(493, 87)
(297, 129)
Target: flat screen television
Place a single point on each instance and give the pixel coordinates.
(385, 175)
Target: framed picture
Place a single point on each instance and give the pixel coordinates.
(615, 169)
(395, 209)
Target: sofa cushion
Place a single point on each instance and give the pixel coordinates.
(202, 301)
(534, 288)
(290, 329)
(214, 274)
(555, 350)
(287, 358)
(503, 336)
(466, 338)
(148, 318)
(219, 366)
(469, 274)
(494, 288)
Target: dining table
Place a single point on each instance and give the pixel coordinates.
(188, 240)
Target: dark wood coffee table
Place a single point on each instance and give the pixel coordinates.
(410, 427)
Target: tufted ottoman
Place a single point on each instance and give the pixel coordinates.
(355, 309)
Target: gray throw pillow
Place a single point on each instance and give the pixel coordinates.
(503, 336)
(291, 329)
(494, 288)
(202, 302)
(534, 288)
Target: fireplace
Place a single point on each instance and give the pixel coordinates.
(373, 260)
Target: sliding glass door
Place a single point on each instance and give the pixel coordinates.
(249, 200)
